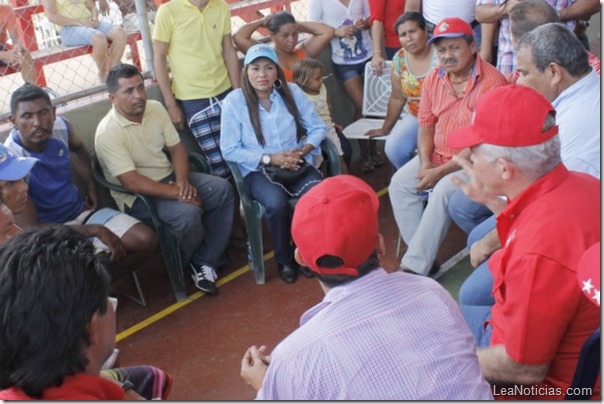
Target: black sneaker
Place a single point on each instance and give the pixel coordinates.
(204, 278)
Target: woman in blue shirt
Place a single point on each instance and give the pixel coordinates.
(270, 122)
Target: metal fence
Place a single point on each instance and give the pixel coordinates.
(71, 73)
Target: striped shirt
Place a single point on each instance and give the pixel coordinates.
(381, 337)
(444, 110)
(506, 57)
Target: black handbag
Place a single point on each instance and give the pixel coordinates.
(284, 176)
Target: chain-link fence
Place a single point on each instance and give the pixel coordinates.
(70, 72)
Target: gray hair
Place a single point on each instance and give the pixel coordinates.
(534, 161)
(555, 43)
(530, 14)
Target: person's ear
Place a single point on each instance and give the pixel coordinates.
(298, 258)
(506, 169)
(555, 73)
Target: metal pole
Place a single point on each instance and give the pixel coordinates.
(143, 22)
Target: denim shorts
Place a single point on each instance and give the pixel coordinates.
(346, 72)
(76, 35)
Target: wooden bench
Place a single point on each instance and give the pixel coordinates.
(46, 56)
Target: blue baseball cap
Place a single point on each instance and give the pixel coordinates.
(12, 167)
(260, 51)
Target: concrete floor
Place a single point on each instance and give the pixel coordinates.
(201, 340)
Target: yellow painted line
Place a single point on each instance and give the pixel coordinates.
(176, 306)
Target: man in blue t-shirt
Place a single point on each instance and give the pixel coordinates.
(52, 196)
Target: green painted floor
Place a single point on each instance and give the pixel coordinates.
(453, 278)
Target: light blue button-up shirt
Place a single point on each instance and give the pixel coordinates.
(238, 141)
(578, 117)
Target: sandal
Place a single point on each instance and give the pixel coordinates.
(367, 165)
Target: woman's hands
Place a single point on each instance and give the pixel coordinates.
(289, 160)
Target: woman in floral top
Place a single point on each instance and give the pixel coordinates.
(410, 65)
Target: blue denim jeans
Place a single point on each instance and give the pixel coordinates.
(278, 211)
(204, 232)
(466, 213)
(478, 287)
(476, 316)
(402, 141)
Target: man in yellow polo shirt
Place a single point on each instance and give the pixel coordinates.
(195, 37)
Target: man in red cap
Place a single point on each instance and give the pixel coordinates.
(449, 96)
(375, 336)
(532, 335)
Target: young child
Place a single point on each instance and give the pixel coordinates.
(308, 74)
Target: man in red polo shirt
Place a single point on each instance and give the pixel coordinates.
(540, 320)
(449, 96)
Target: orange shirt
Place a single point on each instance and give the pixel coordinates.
(441, 108)
(7, 22)
(289, 74)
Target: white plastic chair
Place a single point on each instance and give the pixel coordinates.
(376, 92)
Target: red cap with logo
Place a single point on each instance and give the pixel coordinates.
(451, 28)
(511, 116)
(337, 218)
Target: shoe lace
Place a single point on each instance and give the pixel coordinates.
(206, 273)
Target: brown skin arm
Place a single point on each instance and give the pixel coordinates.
(321, 35)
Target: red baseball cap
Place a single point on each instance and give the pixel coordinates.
(510, 116)
(337, 218)
(451, 28)
(588, 273)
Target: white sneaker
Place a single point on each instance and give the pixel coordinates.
(204, 278)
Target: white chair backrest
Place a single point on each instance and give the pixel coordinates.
(376, 91)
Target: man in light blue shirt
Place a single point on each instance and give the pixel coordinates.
(375, 336)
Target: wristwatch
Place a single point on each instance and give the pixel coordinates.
(266, 159)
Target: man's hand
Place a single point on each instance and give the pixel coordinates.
(92, 200)
(176, 116)
(375, 133)
(116, 248)
(254, 365)
(482, 249)
(474, 189)
(428, 177)
(185, 189)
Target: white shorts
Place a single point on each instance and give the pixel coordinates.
(114, 220)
